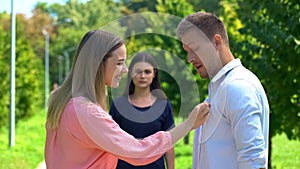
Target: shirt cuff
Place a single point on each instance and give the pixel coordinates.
(253, 164)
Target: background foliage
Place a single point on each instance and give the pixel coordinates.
(29, 74)
(263, 34)
(271, 30)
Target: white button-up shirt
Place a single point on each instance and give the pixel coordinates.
(235, 136)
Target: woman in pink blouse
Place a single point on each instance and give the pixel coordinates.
(80, 132)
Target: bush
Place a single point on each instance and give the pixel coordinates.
(28, 80)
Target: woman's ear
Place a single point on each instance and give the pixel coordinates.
(155, 72)
(130, 73)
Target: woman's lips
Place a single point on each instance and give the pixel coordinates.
(118, 77)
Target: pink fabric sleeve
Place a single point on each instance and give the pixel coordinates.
(107, 134)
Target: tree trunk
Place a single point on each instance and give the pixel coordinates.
(186, 139)
(270, 153)
(270, 148)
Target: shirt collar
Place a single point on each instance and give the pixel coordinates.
(232, 64)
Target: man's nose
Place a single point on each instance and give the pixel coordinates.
(191, 57)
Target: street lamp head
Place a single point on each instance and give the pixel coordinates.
(61, 21)
(54, 24)
(46, 34)
(44, 31)
(68, 20)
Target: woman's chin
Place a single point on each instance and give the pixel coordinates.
(114, 85)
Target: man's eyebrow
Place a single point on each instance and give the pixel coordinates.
(188, 44)
(191, 43)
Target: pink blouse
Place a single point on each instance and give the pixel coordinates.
(88, 137)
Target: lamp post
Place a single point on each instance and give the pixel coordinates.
(67, 58)
(12, 77)
(46, 34)
(60, 75)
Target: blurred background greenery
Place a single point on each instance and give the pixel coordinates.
(263, 34)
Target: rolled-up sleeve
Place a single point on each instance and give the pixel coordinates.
(245, 116)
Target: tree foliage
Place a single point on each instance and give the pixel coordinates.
(272, 48)
(263, 34)
(4, 69)
(93, 14)
(155, 33)
(29, 91)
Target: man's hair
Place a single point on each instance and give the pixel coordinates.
(208, 23)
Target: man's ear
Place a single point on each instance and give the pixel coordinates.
(217, 41)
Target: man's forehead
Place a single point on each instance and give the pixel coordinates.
(192, 36)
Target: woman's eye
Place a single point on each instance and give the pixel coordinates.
(147, 71)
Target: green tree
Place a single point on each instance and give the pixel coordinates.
(65, 36)
(264, 35)
(134, 6)
(272, 49)
(155, 33)
(29, 91)
(213, 6)
(4, 69)
(181, 8)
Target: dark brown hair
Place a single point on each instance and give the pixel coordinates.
(144, 57)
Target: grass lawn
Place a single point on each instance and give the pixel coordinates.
(28, 151)
(285, 155)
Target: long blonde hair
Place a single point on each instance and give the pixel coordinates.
(86, 77)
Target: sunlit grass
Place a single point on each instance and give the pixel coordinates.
(28, 151)
(183, 153)
(286, 153)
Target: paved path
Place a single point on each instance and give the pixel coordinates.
(42, 165)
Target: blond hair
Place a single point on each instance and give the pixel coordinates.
(86, 77)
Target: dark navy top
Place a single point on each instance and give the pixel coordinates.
(142, 122)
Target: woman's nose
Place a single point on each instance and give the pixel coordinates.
(142, 73)
(125, 69)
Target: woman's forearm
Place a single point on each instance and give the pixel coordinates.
(170, 159)
(180, 131)
(197, 117)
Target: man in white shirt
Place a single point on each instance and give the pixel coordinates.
(235, 136)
